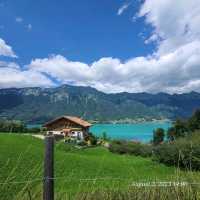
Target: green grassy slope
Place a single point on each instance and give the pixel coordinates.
(21, 159)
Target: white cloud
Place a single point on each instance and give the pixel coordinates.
(173, 72)
(61, 68)
(11, 75)
(152, 38)
(29, 27)
(123, 8)
(12, 65)
(6, 50)
(19, 19)
(176, 22)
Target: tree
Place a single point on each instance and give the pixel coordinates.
(104, 136)
(194, 121)
(158, 136)
(181, 128)
(15, 126)
(171, 134)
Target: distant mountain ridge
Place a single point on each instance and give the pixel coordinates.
(38, 105)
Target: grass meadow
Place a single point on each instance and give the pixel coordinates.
(93, 173)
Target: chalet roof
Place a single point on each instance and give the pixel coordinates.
(76, 120)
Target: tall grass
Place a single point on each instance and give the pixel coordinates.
(156, 193)
(189, 192)
(86, 174)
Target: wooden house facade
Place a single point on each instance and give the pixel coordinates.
(68, 126)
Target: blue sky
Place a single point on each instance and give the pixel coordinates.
(111, 45)
(80, 30)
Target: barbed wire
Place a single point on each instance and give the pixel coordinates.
(20, 182)
(137, 183)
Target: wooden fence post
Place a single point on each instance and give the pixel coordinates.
(48, 193)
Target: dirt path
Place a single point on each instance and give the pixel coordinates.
(39, 136)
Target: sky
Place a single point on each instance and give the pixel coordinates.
(111, 45)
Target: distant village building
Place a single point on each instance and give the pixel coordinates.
(70, 126)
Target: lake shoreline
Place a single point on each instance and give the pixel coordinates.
(133, 121)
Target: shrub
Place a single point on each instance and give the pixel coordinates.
(146, 150)
(183, 128)
(15, 126)
(116, 146)
(133, 148)
(91, 138)
(81, 143)
(194, 122)
(33, 130)
(12, 126)
(184, 152)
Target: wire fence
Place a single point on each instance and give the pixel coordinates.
(136, 183)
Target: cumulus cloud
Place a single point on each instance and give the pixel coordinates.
(123, 8)
(11, 75)
(6, 50)
(152, 38)
(9, 65)
(176, 22)
(175, 72)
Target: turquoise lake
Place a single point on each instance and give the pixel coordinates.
(139, 131)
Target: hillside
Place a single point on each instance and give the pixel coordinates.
(74, 169)
(37, 105)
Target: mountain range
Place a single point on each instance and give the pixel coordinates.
(38, 105)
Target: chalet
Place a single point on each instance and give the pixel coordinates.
(70, 126)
